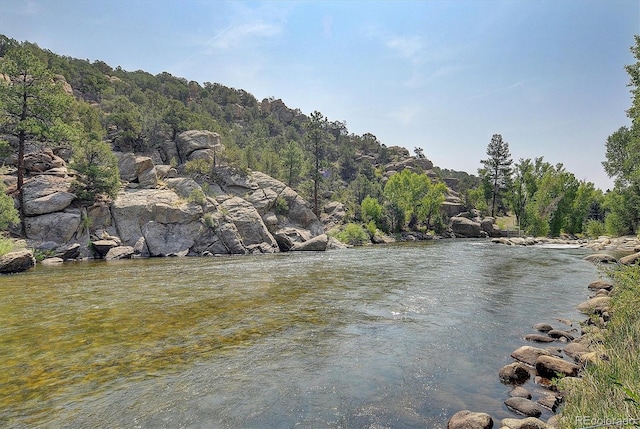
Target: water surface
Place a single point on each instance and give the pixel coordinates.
(396, 336)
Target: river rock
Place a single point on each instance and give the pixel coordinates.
(514, 373)
(630, 259)
(542, 327)
(550, 367)
(466, 419)
(528, 354)
(17, 262)
(523, 406)
(601, 258)
(102, 247)
(119, 252)
(550, 402)
(575, 349)
(537, 338)
(594, 305)
(557, 334)
(52, 261)
(69, 251)
(520, 392)
(600, 284)
(528, 423)
(318, 244)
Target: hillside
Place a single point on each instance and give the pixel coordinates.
(141, 113)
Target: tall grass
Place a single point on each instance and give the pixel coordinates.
(610, 390)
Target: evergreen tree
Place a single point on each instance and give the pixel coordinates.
(497, 169)
(33, 105)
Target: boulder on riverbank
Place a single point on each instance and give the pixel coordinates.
(514, 373)
(528, 423)
(551, 367)
(523, 406)
(17, 262)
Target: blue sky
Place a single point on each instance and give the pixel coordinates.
(442, 75)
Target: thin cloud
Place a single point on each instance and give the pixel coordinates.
(506, 88)
(238, 35)
(410, 48)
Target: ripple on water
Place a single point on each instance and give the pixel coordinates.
(401, 335)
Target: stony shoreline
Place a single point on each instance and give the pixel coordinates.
(562, 351)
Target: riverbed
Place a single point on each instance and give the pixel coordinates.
(401, 336)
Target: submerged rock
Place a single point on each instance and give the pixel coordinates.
(523, 406)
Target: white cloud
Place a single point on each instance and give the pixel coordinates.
(406, 114)
(238, 35)
(410, 48)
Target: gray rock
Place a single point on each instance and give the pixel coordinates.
(594, 305)
(630, 259)
(520, 392)
(189, 141)
(17, 262)
(248, 222)
(466, 419)
(542, 327)
(528, 354)
(318, 244)
(557, 333)
(523, 406)
(119, 252)
(165, 239)
(54, 202)
(600, 284)
(537, 338)
(52, 261)
(465, 228)
(528, 423)
(550, 367)
(514, 373)
(575, 350)
(550, 402)
(69, 251)
(102, 247)
(59, 226)
(601, 258)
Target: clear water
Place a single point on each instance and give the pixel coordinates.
(398, 336)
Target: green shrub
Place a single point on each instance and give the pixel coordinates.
(353, 234)
(372, 228)
(594, 228)
(281, 206)
(198, 166)
(197, 196)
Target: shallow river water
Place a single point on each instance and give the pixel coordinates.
(398, 336)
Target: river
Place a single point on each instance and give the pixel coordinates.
(398, 336)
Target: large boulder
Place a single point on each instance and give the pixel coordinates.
(46, 194)
(248, 222)
(528, 423)
(172, 220)
(139, 170)
(466, 419)
(17, 262)
(465, 228)
(528, 354)
(197, 144)
(59, 227)
(318, 244)
(630, 259)
(39, 162)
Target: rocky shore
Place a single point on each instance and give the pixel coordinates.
(555, 353)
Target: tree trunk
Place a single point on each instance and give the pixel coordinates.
(21, 143)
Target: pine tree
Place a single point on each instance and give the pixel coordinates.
(497, 168)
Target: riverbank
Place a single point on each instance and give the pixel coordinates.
(608, 392)
(592, 381)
